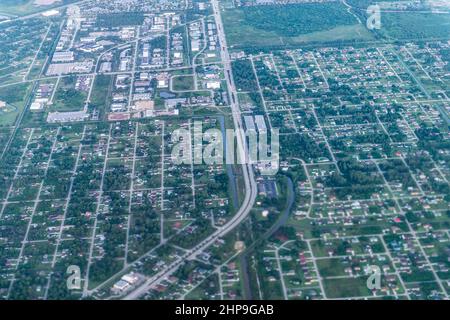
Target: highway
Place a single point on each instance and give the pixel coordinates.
(247, 172)
(18, 121)
(281, 221)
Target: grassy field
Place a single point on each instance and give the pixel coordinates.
(416, 26)
(243, 31)
(67, 98)
(100, 93)
(346, 287)
(24, 7)
(407, 25)
(16, 97)
(183, 83)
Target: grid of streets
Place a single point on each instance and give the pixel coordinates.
(88, 179)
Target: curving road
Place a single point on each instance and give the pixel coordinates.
(247, 172)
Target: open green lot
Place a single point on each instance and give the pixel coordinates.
(24, 7)
(417, 26)
(183, 82)
(268, 26)
(346, 287)
(15, 97)
(67, 98)
(17, 7)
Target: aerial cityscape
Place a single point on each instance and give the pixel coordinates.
(224, 149)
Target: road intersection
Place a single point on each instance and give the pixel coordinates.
(247, 172)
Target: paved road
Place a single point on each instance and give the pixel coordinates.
(247, 173)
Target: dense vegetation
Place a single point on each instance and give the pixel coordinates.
(244, 76)
(120, 19)
(301, 146)
(296, 19)
(408, 25)
(356, 180)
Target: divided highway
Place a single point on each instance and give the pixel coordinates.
(247, 172)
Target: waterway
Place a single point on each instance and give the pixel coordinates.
(282, 219)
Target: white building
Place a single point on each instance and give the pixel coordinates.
(213, 85)
(260, 124)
